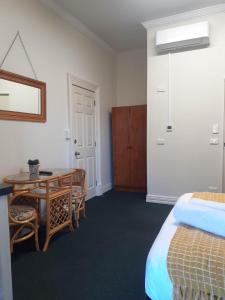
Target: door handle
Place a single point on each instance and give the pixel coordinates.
(77, 153)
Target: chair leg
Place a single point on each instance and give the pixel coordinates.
(11, 247)
(77, 219)
(84, 212)
(12, 231)
(36, 236)
(46, 244)
(14, 236)
(34, 228)
(36, 241)
(71, 226)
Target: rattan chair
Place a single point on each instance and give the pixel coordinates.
(78, 194)
(58, 204)
(23, 220)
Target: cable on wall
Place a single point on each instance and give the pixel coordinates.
(169, 125)
(18, 35)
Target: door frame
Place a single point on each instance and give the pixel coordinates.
(74, 80)
(223, 143)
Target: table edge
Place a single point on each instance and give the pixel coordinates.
(5, 189)
(32, 181)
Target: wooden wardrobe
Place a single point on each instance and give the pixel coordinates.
(129, 128)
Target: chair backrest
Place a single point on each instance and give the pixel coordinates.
(48, 185)
(20, 199)
(79, 178)
(66, 180)
(48, 188)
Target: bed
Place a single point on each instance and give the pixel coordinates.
(158, 285)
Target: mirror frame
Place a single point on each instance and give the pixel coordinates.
(22, 116)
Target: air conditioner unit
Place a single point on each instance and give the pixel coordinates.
(188, 36)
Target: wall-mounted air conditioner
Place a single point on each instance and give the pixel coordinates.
(187, 36)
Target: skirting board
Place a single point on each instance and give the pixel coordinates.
(161, 199)
(107, 187)
(99, 189)
(102, 189)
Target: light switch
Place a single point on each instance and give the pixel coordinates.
(67, 134)
(215, 128)
(214, 141)
(160, 141)
(213, 188)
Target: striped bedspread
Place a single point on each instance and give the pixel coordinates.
(217, 197)
(196, 261)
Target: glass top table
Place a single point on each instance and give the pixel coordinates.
(26, 178)
(59, 207)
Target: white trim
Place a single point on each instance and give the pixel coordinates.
(161, 199)
(99, 189)
(107, 187)
(223, 149)
(83, 83)
(68, 17)
(5, 255)
(206, 11)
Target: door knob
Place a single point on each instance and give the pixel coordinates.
(77, 153)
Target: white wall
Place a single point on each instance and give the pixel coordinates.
(186, 162)
(132, 78)
(55, 48)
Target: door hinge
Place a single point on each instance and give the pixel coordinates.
(94, 103)
(95, 144)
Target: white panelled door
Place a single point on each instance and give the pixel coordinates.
(83, 135)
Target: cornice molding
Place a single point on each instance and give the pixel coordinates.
(68, 17)
(206, 11)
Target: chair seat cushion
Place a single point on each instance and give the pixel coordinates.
(22, 212)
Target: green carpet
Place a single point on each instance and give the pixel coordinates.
(102, 260)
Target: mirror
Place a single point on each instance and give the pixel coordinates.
(22, 98)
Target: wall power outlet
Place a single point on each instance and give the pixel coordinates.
(213, 188)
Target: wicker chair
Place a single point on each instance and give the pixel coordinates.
(78, 194)
(22, 217)
(58, 204)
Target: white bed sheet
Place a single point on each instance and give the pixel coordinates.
(158, 285)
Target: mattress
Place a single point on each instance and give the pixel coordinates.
(158, 285)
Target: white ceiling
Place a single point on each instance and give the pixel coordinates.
(118, 22)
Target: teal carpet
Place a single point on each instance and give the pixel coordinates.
(102, 260)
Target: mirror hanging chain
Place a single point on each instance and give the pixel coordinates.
(25, 51)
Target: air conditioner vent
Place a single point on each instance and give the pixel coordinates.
(188, 36)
